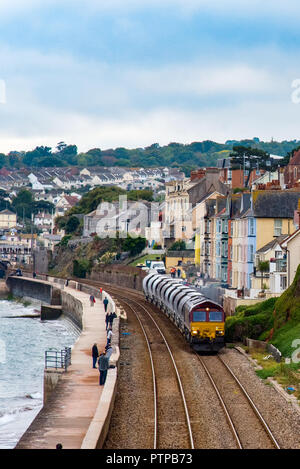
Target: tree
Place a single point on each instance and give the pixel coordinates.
(81, 267)
(22, 203)
(249, 158)
(178, 246)
(134, 245)
(3, 160)
(72, 225)
(263, 266)
(42, 206)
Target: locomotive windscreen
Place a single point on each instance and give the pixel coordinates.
(216, 316)
(199, 316)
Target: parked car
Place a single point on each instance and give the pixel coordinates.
(157, 267)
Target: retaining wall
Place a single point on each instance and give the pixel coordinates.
(264, 346)
(123, 276)
(72, 308)
(48, 293)
(26, 287)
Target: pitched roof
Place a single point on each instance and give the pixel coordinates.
(285, 242)
(272, 244)
(7, 212)
(275, 204)
(71, 200)
(295, 158)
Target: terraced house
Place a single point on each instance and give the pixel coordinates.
(234, 229)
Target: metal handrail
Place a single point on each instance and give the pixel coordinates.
(58, 358)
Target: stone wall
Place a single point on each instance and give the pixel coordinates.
(72, 308)
(121, 275)
(26, 287)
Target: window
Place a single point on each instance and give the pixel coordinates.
(251, 227)
(215, 316)
(283, 283)
(199, 316)
(251, 252)
(277, 227)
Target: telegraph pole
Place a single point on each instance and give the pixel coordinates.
(32, 253)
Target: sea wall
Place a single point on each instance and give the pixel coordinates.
(40, 290)
(72, 305)
(72, 308)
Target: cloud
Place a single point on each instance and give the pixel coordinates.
(148, 78)
(228, 7)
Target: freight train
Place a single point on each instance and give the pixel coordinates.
(199, 319)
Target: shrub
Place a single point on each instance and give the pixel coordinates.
(81, 267)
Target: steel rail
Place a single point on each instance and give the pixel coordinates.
(188, 421)
(258, 414)
(153, 373)
(230, 422)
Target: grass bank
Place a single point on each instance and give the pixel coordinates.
(276, 320)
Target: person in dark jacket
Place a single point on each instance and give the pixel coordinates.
(107, 320)
(111, 318)
(95, 355)
(103, 367)
(105, 302)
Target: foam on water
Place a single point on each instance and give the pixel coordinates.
(23, 344)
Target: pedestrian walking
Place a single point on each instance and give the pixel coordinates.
(95, 355)
(109, 337)
(100, 291)
(178, 273)
(111, 318)
(105, 302)
(103, 367)
(92, 300)
(107, 320)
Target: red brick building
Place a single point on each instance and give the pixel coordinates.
(292, 170)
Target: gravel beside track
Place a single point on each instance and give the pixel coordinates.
(132, 418)
(172, 426)
(249, 429)
(209, 424)
(280, 415)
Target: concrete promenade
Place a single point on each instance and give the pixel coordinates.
(71, 407)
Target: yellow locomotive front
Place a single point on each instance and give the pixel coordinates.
(207, 328)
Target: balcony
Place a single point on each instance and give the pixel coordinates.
(281, 265)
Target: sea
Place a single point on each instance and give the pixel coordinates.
(23, 342)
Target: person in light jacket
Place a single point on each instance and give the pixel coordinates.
(103, 363)
(109, 336)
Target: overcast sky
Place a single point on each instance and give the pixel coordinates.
(111, 73)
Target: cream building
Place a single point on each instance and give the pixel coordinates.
(291, 246)
(8, 219)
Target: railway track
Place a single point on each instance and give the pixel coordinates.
(247, 424)
(171, 415)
